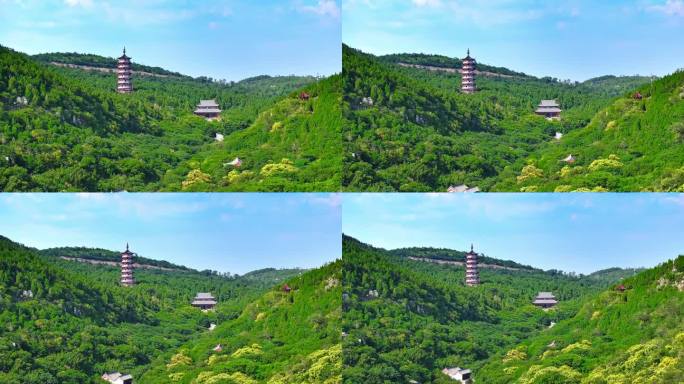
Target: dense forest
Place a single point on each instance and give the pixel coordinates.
(286, 336)
(70, 322)
(408, 128)
(406, 320)
(630, 336)
(65, 129)
(634, 144)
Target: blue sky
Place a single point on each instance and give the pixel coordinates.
(571, 232)
(223, 39)
(228, 232)
(568, 39)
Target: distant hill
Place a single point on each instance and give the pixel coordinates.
(634, 144)
(453, 255)
(272, 274)
(614, 274)
(96, 61)
(442, 62)
(104, 255)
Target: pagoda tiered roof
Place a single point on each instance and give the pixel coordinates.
(204, 299)
(207, 108)
(545, 299)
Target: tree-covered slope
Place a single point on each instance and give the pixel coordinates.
(282, 337)
(635, 336)
(294, 145)
(634, 144)
(65, 129)
(69, 322)
(410, 129)
(407, 320)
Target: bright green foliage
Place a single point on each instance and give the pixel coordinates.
(635, 336)
(410, 129)
(631, 145)
(65, 129)
(408, 319)
(68, 322)
(280, 338)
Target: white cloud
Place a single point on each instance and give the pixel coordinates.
(332, 199)
(670, 8)
(322, 8)
(79, 3)
(427, 3)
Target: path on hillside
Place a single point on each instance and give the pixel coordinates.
(461, 263)
(105, 69)
(451, 70)
(116, 264)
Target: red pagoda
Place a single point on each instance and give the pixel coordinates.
(123, 74)
(468, 74)
(127, 268)
(472, 275)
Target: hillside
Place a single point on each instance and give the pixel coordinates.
(283, 337)
(100, 254)
(96, 61)
(65, 129)
(635, 336)
(292, 146)
(407, 320)
(410, 129)
(631, 145)
(69, 322)
(453, 255)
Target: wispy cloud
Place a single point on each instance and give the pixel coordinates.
(670, 8)
(427, 3)
(79, 3)
(326, 8)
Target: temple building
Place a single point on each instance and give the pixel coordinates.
(123, 74)
(468, 74)
(549, 109)
(127, 268)
(208, 109)
(462, 188)
(545, 300)
(204, 300)
(117, 378)
(472, 275)
(461, 375)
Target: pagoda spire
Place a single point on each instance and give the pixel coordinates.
(127, 279)
(472, 275)
(123, 74)
(468, 74)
